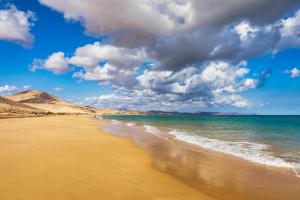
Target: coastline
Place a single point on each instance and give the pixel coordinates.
(69, 157)
(218, 174)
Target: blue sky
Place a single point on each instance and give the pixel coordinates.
(52, 33)
(153, 67)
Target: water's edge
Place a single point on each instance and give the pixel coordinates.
(249, 151)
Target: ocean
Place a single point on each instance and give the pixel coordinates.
(266, 140)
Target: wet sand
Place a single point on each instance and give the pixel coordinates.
(217, 174)
(69, 157)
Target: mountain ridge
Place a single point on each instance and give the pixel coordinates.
(158, 112)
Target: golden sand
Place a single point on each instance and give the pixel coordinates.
(69, 157)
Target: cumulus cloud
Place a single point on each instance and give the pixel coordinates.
(184, 31)
(214, 77)
(15, 25)
(7, 89)
(98, 62)
(233, 100)
(10, 89)
(90, 55)
(294, 73)
(290, 31)
(212, 84)
(142, 100)
(195, 49)
(26, 87)
(103, 16)
(56, 63)
(245, 30)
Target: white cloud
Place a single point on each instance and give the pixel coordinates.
(7, 89)
(294, 73)
(213, 83)
(290, 31)
(185, 32)
(233, 100)
(141, 100)
(56, 63)
(245, 30)
(98, 73)
(100, 16)
(58, 89)
(171, 17)
(291, 26)
(213, 77)
(206, 84)
(99, 62)
(26, 87)
(15, 25)
(10, 89)
(196, 48)
(90, 55)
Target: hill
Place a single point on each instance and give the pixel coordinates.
(10, 108)
(44, 101)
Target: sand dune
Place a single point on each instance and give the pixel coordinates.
(10, 108)
(34, 96)
(44, 101)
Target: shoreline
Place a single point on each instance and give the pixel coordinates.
(217, 173)
(166, 134)
(71, 157)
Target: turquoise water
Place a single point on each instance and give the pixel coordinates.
(268, 140)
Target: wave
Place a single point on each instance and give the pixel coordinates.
(130, 124)
(113, 121)
(254, 152)
(250, 151)
(151, 129)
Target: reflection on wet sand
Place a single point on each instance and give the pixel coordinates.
(219, 175)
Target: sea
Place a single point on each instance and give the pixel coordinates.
(266, 140)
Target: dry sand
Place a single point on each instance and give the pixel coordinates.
(69, 157)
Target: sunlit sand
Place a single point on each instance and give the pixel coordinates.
(69, 157)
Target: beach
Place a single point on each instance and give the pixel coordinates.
(240, 170)
(150, 100)
(76, 157)
(68, 157)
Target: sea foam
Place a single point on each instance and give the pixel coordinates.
(151, 129)
(130, 124)
(115, 121)
(250, 151)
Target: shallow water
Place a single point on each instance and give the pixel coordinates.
(267, 140)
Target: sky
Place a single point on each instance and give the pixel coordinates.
(185, 55)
